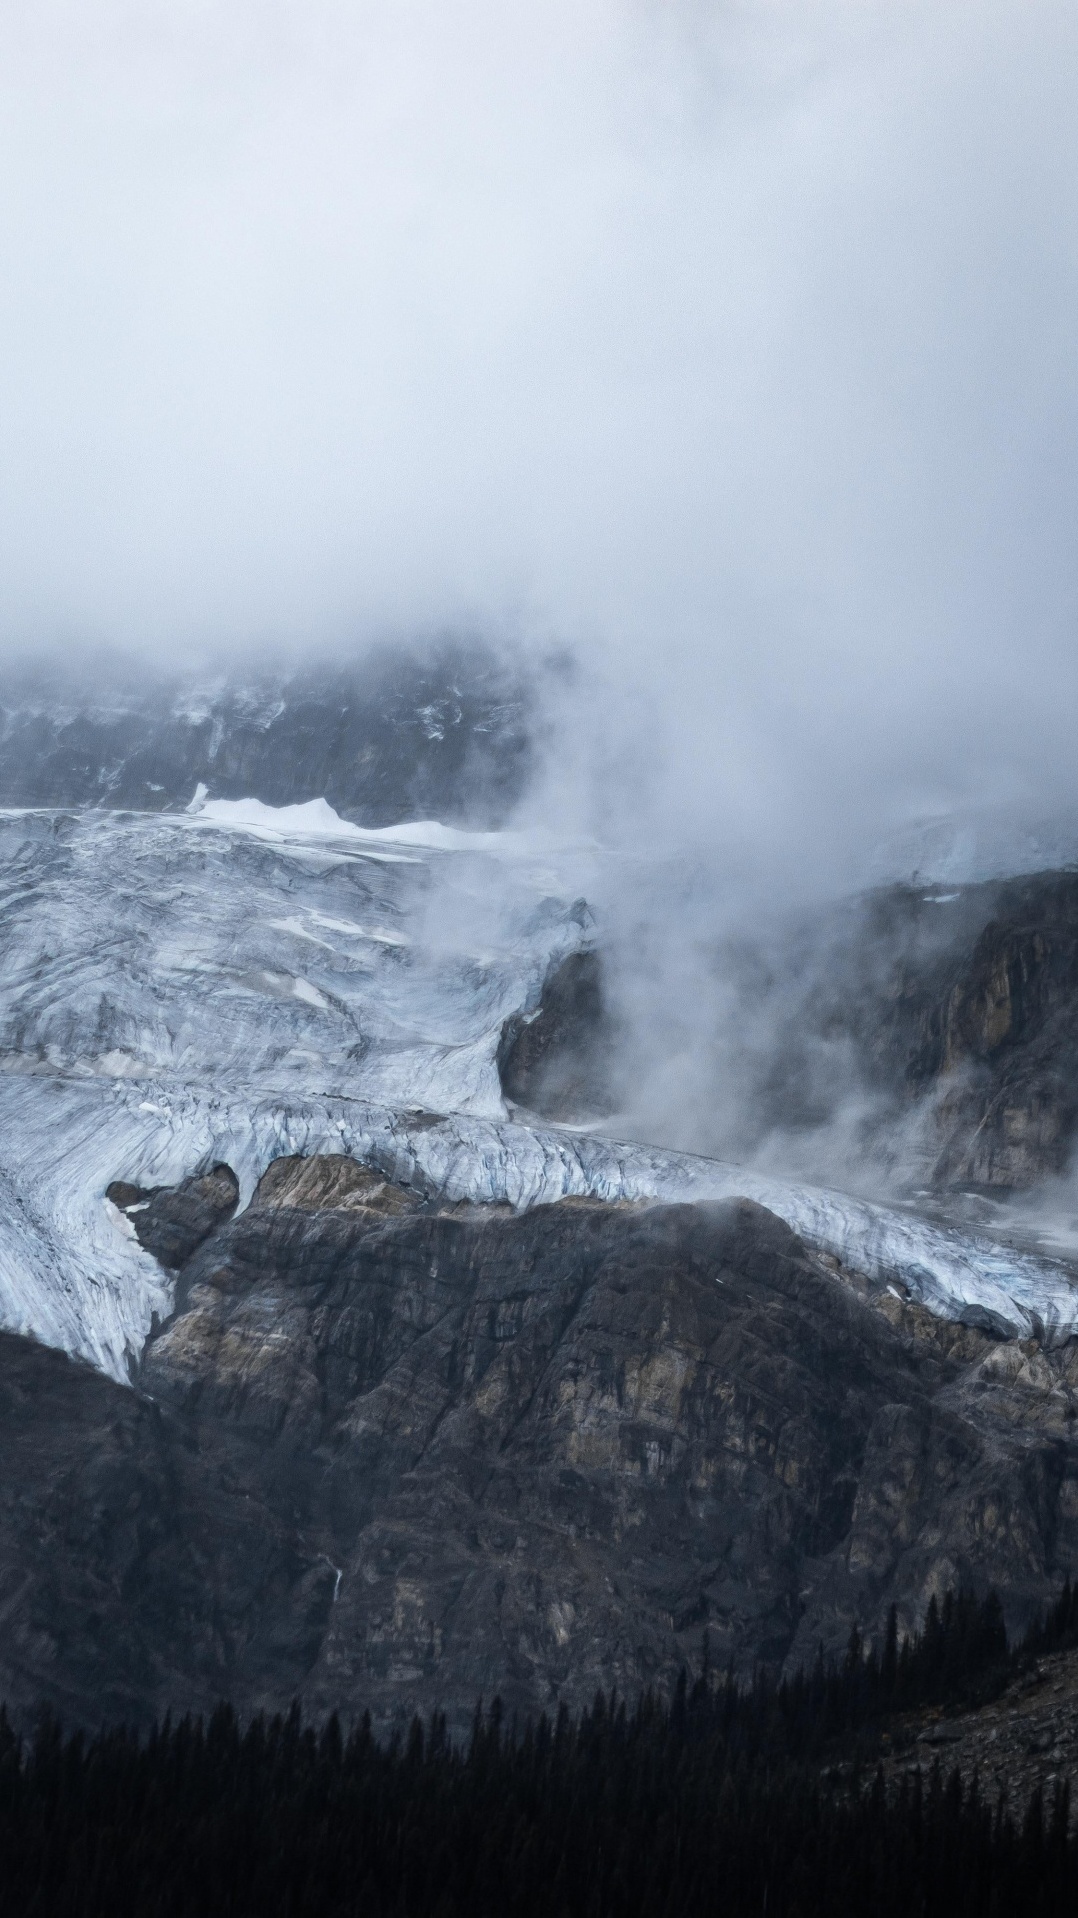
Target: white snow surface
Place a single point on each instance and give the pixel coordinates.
(317, 817)
(178, 990)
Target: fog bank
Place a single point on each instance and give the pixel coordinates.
(731, 347)
(713, 366)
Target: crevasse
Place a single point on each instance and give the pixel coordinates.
(241, 982)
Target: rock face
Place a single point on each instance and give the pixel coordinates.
(991, 1026)
(383, 739)
(959, 1007)
(557, 1060)
(172, 1221)
(393, 1456)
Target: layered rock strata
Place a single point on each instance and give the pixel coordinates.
(394, 1455)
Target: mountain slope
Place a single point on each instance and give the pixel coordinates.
(941, 1023)
(389, 736)
(394, 1454)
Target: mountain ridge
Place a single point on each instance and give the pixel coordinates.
(390, 1454)
(383, 737)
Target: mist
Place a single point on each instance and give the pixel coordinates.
(716, 363)
(730, 347)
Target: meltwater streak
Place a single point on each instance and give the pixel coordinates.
(244, 983)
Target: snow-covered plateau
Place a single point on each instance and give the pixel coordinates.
(238, 982)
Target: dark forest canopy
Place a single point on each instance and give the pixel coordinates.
(714, 1802)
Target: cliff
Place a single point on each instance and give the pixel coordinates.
(949, 1017)
(384, 737)
(393, 1455)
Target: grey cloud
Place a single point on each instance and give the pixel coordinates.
(731, 346)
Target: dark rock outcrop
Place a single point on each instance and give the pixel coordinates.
(557, 1060)
(392, 1455)
(172, 1221)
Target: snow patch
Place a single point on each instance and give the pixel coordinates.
(316, 818)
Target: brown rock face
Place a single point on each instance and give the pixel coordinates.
(1009, 1032)
(396, 1457)
(963, 1005)
(332, 1183)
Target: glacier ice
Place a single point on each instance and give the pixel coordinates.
(316, 816)
(179, 989)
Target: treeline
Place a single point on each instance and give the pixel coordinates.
(960, 1657)
(1058, 1629)
(716, 1802)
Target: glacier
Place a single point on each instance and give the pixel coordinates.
(236, 982)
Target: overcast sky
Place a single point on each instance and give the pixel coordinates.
(735, 345)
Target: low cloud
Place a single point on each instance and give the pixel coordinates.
(726, 350)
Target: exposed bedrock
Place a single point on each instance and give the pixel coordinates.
(383, 737)
(392, 1455)
(998, 1038)
(172, 1221)
(963, 1003)
(556, 1060)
